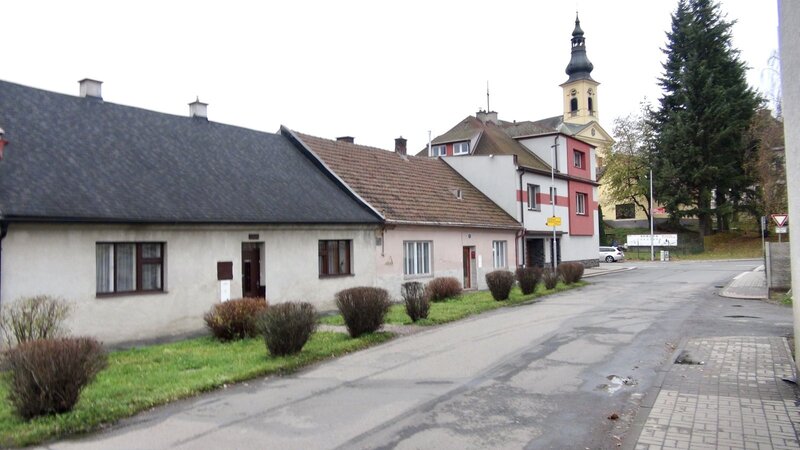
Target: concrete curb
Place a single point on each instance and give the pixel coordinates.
(606, 272)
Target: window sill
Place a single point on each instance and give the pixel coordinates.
(417, 276)
(128, 294)
(343, 275)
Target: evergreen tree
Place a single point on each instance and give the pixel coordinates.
(702, 118)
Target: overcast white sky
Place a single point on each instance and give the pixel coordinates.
(371, 69)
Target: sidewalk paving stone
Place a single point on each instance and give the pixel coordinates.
(735, 399)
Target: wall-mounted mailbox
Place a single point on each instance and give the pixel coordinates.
(225, 270)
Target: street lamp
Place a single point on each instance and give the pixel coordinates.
(553, 202)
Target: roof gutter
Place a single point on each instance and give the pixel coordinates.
(306, 150)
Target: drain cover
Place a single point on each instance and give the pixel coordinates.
(743, 317)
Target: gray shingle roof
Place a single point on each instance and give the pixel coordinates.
(73, 158)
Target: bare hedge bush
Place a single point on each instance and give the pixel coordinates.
(415, 300)
(286, 327)
(31, 318)
(528, 278)
(549, 278)
(570, 272)
(363, 308)
(442, 288)
(48, 375)
(235, 319)
(500, 283)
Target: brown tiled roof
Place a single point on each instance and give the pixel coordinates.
(495, 141)
(544, 126)
(465, 130)
(411, 189)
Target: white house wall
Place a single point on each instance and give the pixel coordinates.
(60, 260)
(496, 176)
(447, 253)
(542, 147)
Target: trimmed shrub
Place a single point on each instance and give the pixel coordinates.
(549, 278)
(570, 272)
(441, 288)
(417, 303)
(528, 278)
(500, 283)
(48, 375)
(363, 308)
(31, 318)
(286, 327)
(235, 319)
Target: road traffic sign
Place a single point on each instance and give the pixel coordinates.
(780, 219)
(554, 221)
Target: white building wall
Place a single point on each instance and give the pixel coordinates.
(542, 147)
(59, 260)
(447, 253)
(496, 176)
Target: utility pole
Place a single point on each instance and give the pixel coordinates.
(652, 250)
(553, 202)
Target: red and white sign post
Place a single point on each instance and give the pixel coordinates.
(780, 220)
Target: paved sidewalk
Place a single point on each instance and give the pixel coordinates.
(747, 285)
(735, 399)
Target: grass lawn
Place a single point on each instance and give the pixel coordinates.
(456, 308)
(139, 379)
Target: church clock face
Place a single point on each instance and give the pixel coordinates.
(573, 92)
(590, 91)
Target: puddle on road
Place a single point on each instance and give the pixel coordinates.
(616, 383)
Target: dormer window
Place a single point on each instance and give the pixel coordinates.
(461, 148)
(438, 150)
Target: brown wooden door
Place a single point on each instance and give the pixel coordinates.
(251, 270)
(467, 268)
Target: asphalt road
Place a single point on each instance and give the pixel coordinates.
(535, 376)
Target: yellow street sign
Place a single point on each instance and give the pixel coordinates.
(554, 221)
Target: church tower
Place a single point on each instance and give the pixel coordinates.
(580, 90)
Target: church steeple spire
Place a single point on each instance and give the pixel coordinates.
(579, 67)
(580, 90)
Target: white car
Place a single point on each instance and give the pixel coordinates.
(611, 254)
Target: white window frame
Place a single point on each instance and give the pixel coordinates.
(439, 150)
(580, 203)
(533, 191)
(461, 148)
(553, 195)
(579, 158)
(417, 258)
(108, 263)
(499, 254)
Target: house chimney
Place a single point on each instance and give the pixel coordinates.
(90, 88)
(348, 139)
(400, 146)
(198, 109)
(487, 116)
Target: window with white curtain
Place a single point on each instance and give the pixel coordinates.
(417, 257)
(499, 250)
(129, 267)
